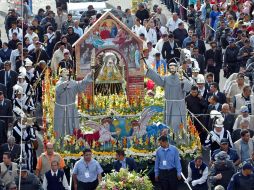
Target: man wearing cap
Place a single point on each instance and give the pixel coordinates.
(214, 137)
(27, 88)
(25, 128)
(224, 146)
(243, 180)
(230, 58)
(28, 180)
(197, 174)
(175, 90)
(29, 71)
(244, 146)
(244, 115)
(87, 172)
(222, 170)
(201, 86)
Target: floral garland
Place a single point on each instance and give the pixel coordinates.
(125, 180)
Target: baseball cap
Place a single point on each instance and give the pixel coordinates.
(224, 141)
(244, 109)
(231, 40)
(247, 166)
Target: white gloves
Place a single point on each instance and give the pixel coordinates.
(194, 183)
(214, 138)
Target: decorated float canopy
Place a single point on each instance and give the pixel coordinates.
(112, 51)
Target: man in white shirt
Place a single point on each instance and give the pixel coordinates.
(14, 54)
(13, 29)
(138, 28)
(160, 43)
(55, 178)
(173, 22)
(30, 34)
(77, 29)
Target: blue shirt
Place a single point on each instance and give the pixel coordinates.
(78, 31)
(123, 162)
(244, 151)
(231, 152)
(186, 41)
(167, 159)
(87, 172)
(213, 17)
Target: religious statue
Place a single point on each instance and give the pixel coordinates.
(65, 114)
(175, 90)
(109, 70)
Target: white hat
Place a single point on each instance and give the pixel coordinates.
(66, 51)
(200, 79)
(219, 122)
(21, 76)
(195, 70)
(172, 64)
(29, 63)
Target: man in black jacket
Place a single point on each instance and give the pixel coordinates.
(213, 61)
(124, 162)
(197, 105)
(169, 48)
(12, 148)
(5, 113)
(142, 13)
(8, 78)
(214, 90)
(198, 43)
(229, 118)
(38, 54)
(180, 33)
(230, 59)
(72, 37)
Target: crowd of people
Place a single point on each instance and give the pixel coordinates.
(218, 34)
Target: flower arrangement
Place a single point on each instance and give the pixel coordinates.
(125, 180)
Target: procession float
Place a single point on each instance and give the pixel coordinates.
(120, 108)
